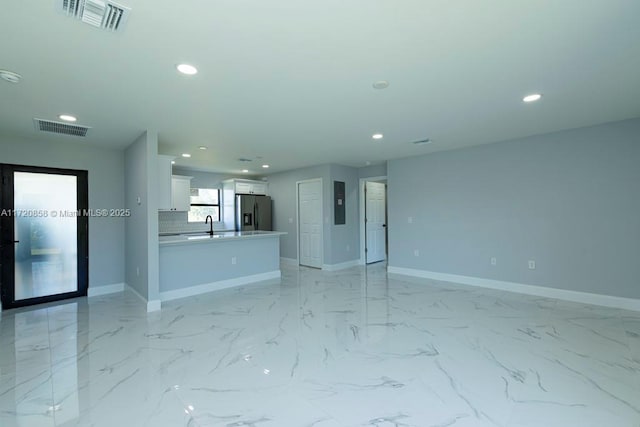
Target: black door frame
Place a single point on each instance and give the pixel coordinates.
(7, 235)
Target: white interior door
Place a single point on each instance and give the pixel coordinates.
(310, 223)
(375, 222)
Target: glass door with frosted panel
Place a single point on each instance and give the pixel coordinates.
(44, 234)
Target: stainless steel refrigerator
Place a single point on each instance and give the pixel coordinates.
(253, 212)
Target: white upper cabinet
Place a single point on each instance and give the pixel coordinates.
(164, 182)
(259, 188)
(174, 191)
(180, 193)
(246, 186)
(243, 187)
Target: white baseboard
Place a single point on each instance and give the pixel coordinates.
(341, 266)
(216, 286)
(542, 291)
(288, 261)
(154, 305)
(135, 292)
(105, 290)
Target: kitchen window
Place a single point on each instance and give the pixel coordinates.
(204, 201)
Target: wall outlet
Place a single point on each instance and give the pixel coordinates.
(494, 261)
(234, 260)
(416, 252)
(410, 220)
(532, 264)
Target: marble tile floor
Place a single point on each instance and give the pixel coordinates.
(318, 349)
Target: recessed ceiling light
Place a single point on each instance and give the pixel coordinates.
(67, 118)
(187, 69)
(187, 155)
(245, 170)
(173, 162)
(265, 166)
(532, 98)
(202, 147)
(381, 84)
(377, 136)
(10, 76)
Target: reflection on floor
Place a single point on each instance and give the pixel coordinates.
(342, 349)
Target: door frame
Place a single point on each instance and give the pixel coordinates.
(363, 229)
(7, 299)
(306, 181)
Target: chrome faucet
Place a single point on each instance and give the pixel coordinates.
(206, 220)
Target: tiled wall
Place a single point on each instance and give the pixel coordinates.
(176, 222)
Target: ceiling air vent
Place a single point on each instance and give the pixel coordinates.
(422, 142)
(60, 128)
(243, 159)
(102, 14)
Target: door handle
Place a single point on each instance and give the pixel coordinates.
(384, 225)
(257, 215)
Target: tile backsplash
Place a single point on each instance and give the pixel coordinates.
(176, 222)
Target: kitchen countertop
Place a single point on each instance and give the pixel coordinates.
(221, 236)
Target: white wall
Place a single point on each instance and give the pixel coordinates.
(344, 238)
(568, 200)
(141, 165)
(373, 170)
(341, 242)
(106, 191)
(282, 188)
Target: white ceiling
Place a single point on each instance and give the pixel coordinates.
(291, 81)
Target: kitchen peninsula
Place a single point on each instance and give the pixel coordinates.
(192, 264)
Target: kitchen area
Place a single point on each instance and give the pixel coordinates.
(215, 232)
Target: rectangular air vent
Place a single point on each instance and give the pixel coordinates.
(102, 14)
(422, 142)
(60, 128)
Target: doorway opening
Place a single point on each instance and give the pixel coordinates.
(373, 220)
(44, 247)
